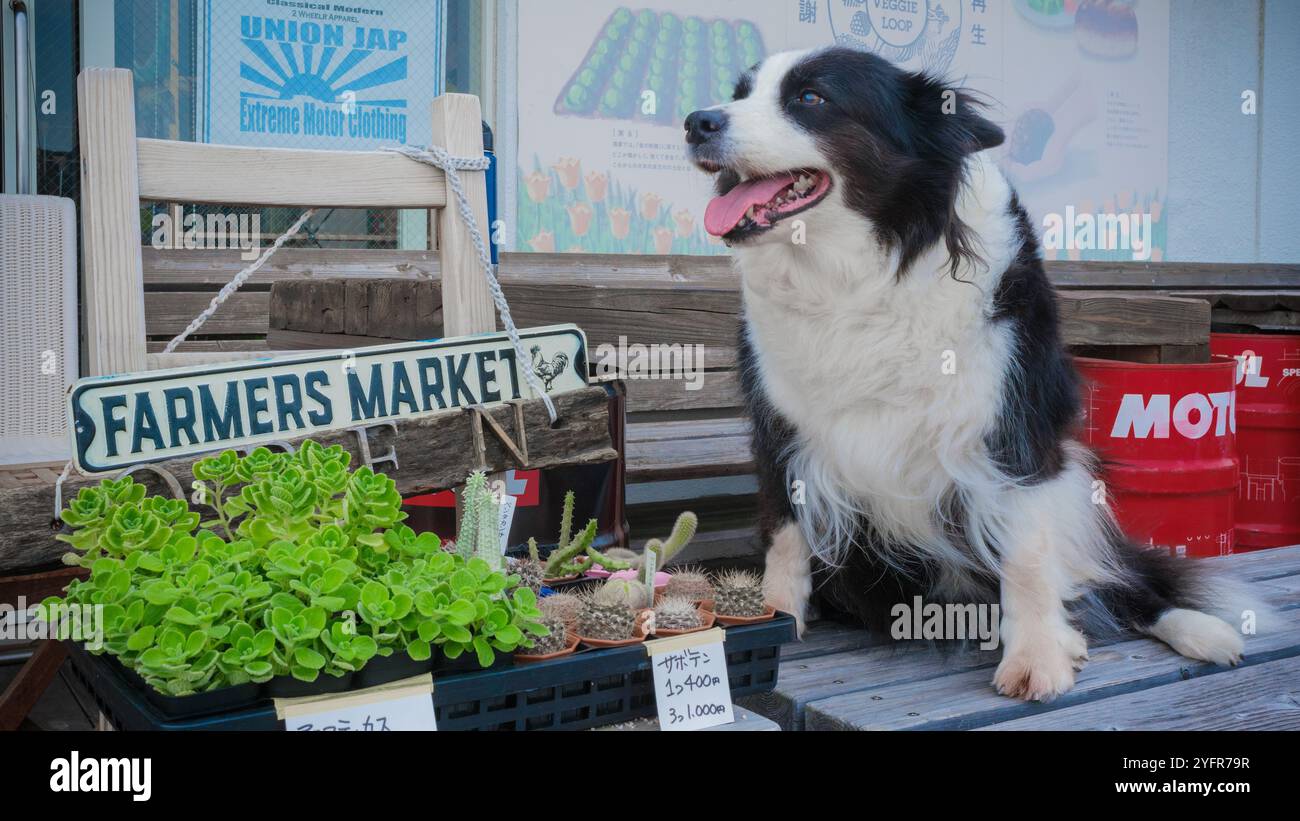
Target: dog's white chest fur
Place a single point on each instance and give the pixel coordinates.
(891, 383)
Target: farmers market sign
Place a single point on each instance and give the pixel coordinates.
(119, 421)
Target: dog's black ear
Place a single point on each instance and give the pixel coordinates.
(986, 133)
(953, 115)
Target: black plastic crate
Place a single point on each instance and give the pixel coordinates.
(588, 689)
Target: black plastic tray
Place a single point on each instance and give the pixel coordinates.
(587, 689)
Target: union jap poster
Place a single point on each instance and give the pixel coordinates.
(305, 74)
(1080, 87)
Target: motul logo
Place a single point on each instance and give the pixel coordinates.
(1249, 367)
(1142, 417)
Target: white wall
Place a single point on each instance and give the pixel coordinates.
(1232, 176)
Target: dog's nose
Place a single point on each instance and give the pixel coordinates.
(702, 125)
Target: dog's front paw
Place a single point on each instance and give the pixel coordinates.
(1043, 669)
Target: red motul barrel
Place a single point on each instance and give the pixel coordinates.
(1268, 436)
(1167, 438)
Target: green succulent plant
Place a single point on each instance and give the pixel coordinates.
(282, 565)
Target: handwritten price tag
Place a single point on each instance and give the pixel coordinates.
(506, 518)
(399, 705)
(691, 687)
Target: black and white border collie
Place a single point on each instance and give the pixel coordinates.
(905, 375)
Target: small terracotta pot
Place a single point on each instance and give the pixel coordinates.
(707, 618)
(768, 612)
(639, 634)
(569, 648)
(561, 580)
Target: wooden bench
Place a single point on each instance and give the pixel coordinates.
(841, 679)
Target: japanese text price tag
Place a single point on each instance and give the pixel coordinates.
(691, 686)
(399, 705)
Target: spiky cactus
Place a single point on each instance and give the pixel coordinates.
(563, 606)
(466, 536)
(677, 613)
(567, 559)
(553, 643)
(683, 531)
(608, 560)
(738, 593)
(488, 537)
(628, 592)
(664, 551)
(530, 573)
(689, 583)
(606, 620)
(622, 554)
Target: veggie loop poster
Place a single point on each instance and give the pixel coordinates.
(1080, 86)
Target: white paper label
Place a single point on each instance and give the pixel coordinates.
(508, 504)
(398, 706)
(403, 713)
(691, 687)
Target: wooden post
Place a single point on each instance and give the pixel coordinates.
(113, 284)
(466, 301)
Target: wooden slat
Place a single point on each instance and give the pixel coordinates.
(467, 303)
(1172, 275)
(166, 268)
(197, 172)
(688, 458)
(189, 359)
(692, 315)
(1265, 321)
(709, 314)
(1262, 697)
(1251, 301)
(967, 700)
(433, 451)
(642, 432)
(212, 346)
(647, 269)
(719, 389)
(809, 680)
(1089, 318)
(110, 223)
(168, 313)
(304, 341)
(1261, 565)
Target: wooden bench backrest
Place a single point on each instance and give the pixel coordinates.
(118, 170)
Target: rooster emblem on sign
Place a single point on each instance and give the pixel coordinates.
(548, 371)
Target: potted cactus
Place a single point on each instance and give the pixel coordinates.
(530, 569)
(608, 620)
(569, 560)
(675, 615)
(558, 642)
(564, 606)
(691, 584)
(738, 598)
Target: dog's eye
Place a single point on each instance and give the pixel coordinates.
(810, 97)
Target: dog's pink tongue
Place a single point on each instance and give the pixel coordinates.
(726, 211)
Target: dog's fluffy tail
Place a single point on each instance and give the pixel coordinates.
(1195, 608)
